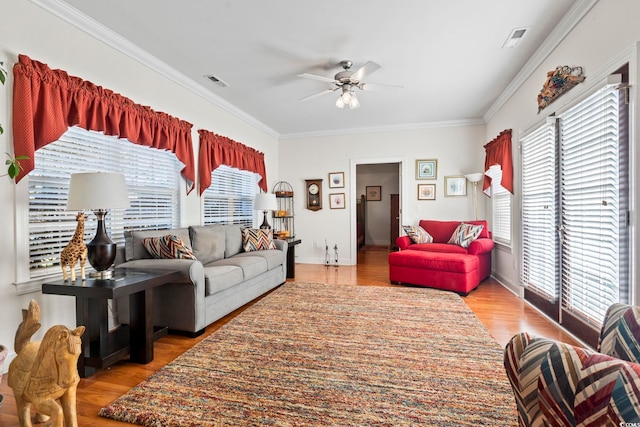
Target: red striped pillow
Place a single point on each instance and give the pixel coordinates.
(167, 247)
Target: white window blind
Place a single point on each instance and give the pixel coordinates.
(152, 177)
(590, 205)
(501, 216)
(229, 198)
(539, 270)
(501, 205)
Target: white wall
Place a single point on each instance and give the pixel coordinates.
(604, 40)
(458, 149)
(27, 29)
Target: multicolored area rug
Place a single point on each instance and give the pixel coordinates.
(314, 354)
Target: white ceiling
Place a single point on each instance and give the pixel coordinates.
(447, 55)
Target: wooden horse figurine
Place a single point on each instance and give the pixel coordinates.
(75, 251)
(44, 375)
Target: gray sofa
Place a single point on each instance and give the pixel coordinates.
(223, 278)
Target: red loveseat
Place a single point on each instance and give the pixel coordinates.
(440, 264)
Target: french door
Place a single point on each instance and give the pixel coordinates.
(575, 212)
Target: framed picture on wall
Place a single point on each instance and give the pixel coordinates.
(336, 180)
(336, 201)
(455, 186)
(374, 193)
(426, 191)
(427, 169)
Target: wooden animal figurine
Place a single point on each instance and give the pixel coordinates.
(75, 251)
(44, 375)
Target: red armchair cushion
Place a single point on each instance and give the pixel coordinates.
(438, 247)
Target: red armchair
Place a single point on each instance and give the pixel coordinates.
(441, 264)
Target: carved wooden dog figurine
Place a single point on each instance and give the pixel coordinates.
(75, 251)
(44, 375)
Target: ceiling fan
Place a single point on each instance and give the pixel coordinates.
(347, 81)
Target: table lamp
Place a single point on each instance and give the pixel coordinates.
(98, 191)
(265, 202)
(475, 178)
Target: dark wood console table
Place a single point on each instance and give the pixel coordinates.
(100, 347)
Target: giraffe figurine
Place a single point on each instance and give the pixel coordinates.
(75, 251)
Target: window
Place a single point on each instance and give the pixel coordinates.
(574, 211)
(152, 178)
(501, 200)
(229, 198)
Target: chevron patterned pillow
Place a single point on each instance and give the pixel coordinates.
(167, 247)
(465, 234)
(257, 239)
(417, 234)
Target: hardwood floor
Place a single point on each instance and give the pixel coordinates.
(500, 311)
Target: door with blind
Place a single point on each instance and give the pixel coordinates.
(574, 212)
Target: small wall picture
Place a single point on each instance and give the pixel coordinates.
(336, 201)
(336, 180)
(455, 186)
(374, 193)
(427, 169)
(426, 191)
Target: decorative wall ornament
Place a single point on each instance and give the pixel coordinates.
(558, 82)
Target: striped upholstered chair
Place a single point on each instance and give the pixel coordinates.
(556, 384)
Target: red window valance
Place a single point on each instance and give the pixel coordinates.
(499, 153)
(47, 102)
(216, 150)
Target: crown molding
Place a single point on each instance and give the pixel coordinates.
(560, 31)
(390, 128)
(81, 21)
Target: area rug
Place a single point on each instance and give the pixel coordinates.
(316, 354)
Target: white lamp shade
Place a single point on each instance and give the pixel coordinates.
(474, 177)
(265, 202)
(97, 190)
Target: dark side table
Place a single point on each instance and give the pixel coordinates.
(100, 347)
(291, 256)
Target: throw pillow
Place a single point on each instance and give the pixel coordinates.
(257, 239)
(417, 234)
(465, 234)
(167, 247)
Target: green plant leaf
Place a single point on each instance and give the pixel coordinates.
(1, 130)
(14, 170)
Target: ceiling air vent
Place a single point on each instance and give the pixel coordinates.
(216, 80)
(515, 37)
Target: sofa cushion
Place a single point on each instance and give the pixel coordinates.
(233, 238)
(167, 247)
(442, 230)
(438, 247)
(417, 234)
(217, 278)
(255, 239)
(251, 265)
(134, 249)
(208, 242)
(465, 234)
(274, 257)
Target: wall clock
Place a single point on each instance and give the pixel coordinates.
(314, 194)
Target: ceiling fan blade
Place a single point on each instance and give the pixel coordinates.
(316, 77)
(366, 69)
(378, 86)
(315, 95)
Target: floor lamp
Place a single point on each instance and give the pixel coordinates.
(475, 178)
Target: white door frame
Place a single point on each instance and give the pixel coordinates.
(402, 161)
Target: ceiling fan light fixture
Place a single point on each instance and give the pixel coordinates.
(339, 102)
(354, 102)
